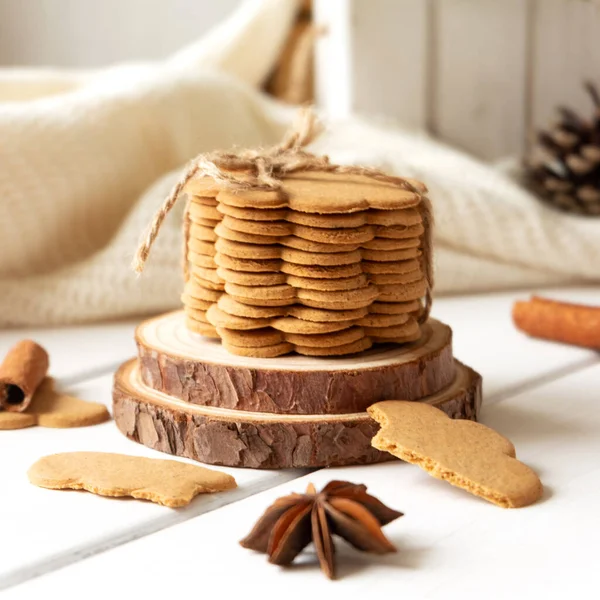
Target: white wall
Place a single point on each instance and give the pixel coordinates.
(482, 75)
(81, 33)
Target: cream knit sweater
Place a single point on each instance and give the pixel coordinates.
(86, 158)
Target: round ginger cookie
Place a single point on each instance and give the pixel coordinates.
(410, 328)
(195, 303)
(265, 292)
(247, 251)
(247, 265)
(364, 296)
(209, 285)
(263, 302)
(201, 232)
(298, 243)
(399, 232)
(403, 292)
(254, 338)
(326, 340)
(299, 257)
(356, 235)
(395, 278)
(201, 328)
(321, 315)
(353, 348)
(196, 290)
(270, 228)
(389, 255)
(398, 221)
(219, 318)
(201, 260)
(204, 200)
(232, 307)
(246, 238)
(201, 247)
(339, 221)
(212, 223)
(201, 211)
(348, 305)
(253, 214)
(253, 198)
(196, 314)
(394, 308)
(390, 218)
(378, 243)
(262, 352)
(291, 325)
(407, 339)
(345, 283)
(402, 266)
(320, 272)
(251, 279)
(206, 277)
(203, 186)
(375, 320)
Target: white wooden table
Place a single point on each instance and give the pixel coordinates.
(545, 397)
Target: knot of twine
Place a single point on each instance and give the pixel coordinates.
(263, 169)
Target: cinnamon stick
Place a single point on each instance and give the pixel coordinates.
(575, 324)
(22, 371)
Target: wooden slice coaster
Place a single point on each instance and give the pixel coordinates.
(201, 371)
(235, 438)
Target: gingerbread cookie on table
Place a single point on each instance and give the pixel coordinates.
(465, 454)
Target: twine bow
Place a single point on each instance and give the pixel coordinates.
(263, 169)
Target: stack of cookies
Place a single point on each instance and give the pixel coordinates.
(327, 265)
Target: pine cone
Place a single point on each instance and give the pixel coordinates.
(570, 178)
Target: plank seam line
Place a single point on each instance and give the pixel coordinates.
(86, 375)
(540, 380)
(82, 552)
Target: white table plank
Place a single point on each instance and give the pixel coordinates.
(48, 529)
(486, 339)
(79, 350)
(450, 544)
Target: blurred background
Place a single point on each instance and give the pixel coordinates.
(87, 33)
(481, 74)
(492, 104)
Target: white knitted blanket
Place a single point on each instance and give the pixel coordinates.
(86, 159)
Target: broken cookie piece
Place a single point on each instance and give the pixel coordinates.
(466, 454)
(167, 482)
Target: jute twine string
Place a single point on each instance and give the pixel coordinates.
(263, 169)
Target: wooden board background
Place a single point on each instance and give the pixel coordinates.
(479, 74)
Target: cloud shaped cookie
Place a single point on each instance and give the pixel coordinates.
(468, 455)
(166, 482)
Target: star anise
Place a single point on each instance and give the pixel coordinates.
(341, 508)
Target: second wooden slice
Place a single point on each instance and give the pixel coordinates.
(261, 440)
